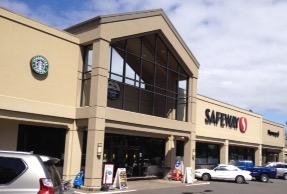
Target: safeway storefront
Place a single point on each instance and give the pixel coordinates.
(225, 133)
(119, 89)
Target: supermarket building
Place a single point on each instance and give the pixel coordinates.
(118, 89)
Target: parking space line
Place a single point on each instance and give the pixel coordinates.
(106, 192)
(196, 184)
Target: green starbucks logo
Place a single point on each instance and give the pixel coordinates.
(40, 65)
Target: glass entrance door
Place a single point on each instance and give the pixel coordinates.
(141, 156)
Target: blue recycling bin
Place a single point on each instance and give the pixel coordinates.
(79, 180)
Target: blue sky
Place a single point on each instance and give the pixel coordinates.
(241, 45)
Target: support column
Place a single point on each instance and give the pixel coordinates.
(282, 155)
(170, 152)
(73, 152)
(190, 152)
(190, 144)
(258, 156)
(96, 123)
(224, 153)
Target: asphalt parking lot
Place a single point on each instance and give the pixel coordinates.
(275, 186)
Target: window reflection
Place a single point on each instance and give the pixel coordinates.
(149, 76)
(86, 74)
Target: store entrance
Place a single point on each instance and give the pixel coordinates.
(41, 140)
(141, 156)
(269, 155)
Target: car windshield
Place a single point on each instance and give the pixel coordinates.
(226, 168)
(269, 165)
(233, 168)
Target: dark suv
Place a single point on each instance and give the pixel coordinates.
(22, 172)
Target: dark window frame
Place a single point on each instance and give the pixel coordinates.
(138, 83)
(86, 74)
(205, 149)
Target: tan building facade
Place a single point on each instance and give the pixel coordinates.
(233, 133)
(118, 89)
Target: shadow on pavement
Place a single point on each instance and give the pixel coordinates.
(200, 192)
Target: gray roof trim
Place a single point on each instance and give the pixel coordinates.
(131, 16)
(273, 123)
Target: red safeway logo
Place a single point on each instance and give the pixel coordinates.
(242, 124)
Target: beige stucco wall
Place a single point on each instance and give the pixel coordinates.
(252, 134)
(57, 94)
(9, 134)
(271, 140)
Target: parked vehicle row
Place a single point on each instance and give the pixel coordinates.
(23, 172)
(243, 170)
(260, 173)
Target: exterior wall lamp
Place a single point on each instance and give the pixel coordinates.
(193, 154)
(99, 149)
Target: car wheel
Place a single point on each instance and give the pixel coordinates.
(240, 180)
(206, 177)
(264, 178)
(285, 176)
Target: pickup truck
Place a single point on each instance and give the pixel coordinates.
(259, 173)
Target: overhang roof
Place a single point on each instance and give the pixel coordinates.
(130, 16)
(18, 18)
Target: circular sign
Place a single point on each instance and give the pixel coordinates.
(40, 65)
(113, 90)
(242, 124)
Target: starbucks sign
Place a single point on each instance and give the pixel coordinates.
(40, 65)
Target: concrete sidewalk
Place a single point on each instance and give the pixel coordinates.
(146, 185)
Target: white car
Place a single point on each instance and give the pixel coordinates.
(224, 172)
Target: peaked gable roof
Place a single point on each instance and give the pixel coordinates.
(78, 28)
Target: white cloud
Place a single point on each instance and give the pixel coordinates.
(241, 45)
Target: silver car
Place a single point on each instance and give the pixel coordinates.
(281, 169)
(27, 173)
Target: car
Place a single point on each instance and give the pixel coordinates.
(281, 169)
(25, 172)
(260, 173)
(224, 172)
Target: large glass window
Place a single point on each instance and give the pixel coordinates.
(86, 74)
(207, 155)
(241, 153)
(146, 77)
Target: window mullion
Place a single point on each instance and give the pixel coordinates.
(111, 58)
(186, 100)
(166, 86)
(154, 74)
(140, 75)
(177, 92)
(124, 74)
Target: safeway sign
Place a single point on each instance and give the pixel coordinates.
(242, 124)
(225, 120)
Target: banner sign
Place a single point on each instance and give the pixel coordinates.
(108, 174)
(120, 181)
(179, 165)
(188, 175)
